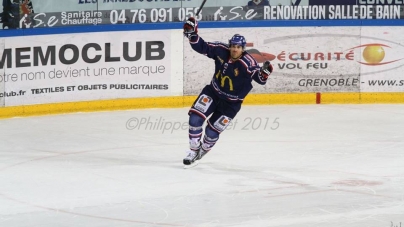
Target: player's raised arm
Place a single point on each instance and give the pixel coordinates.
(197, 43)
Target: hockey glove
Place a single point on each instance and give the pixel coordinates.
(190, 28)
(266, 69)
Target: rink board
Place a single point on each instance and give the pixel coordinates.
(2, 80)
(92, 66)
(299, 56)
(312, 59)
(186, 101)
(314, 63)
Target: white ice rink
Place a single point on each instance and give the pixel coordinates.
(302, 166)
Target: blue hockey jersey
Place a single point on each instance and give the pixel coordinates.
(231, 79)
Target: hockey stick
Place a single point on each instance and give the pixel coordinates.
(200, 8)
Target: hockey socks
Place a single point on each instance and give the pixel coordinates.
(195, 131)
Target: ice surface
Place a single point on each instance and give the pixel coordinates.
(304, 165)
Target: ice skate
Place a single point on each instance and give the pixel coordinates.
(193, 157)
(202, 153)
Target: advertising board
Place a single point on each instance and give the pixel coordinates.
(382, 63)
(306, 59)
(90, 66)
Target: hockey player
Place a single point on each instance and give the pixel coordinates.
(222, 98)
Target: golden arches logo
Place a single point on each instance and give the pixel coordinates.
(373, 54)
(223, 80)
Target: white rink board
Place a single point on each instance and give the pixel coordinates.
(144, 77)
(2, 77)
(391, 67)
(327, 55)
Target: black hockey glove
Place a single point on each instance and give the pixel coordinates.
(266, 69)
(190, 28)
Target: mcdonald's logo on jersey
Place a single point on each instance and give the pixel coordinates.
(222, 79)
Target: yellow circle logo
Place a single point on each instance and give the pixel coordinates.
(373, 54)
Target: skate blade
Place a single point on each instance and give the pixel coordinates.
(191, 165)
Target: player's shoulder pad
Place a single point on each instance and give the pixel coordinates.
(219, 44)
(248, 61)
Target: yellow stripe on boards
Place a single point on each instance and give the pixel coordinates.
(362, 98)
(102, 105)
(382, 98)
(340, 98)
(186, 101)
(269, 99)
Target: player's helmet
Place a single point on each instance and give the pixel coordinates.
(237, 40)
